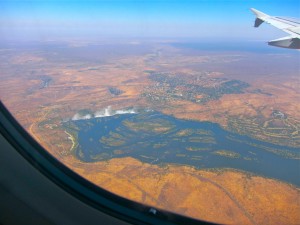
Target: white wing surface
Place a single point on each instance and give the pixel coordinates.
(288, 25)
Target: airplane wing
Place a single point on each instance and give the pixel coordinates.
(290, 26)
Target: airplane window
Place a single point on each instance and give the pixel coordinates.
(179, 105)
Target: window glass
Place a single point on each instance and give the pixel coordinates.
(180, 105)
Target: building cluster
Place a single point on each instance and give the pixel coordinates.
(198, 88)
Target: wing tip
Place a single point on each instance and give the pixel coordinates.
(258, 13)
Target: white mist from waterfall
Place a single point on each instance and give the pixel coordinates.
(77, 116)
(104, 113)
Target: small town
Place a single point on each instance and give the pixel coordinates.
(200, 88)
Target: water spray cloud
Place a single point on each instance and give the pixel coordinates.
(108, 111)
(77, 116)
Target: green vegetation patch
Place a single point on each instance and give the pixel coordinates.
(227, 153)
(196, 149)
(204, 139)
(283, 131)
(184, 133)
(155, 126)
(169, 87)
(159, 145)
(113, 139)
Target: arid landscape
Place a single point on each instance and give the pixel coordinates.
(254, 94)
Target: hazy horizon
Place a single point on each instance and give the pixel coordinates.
(46, 20)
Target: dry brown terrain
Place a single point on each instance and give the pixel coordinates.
(226, 196)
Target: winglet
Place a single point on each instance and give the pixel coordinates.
(260, 17)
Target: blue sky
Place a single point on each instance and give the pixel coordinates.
(123, 18)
